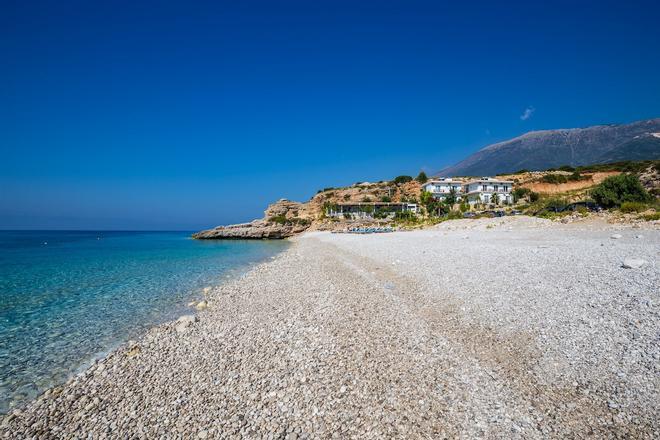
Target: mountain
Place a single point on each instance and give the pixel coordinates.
(540, 150)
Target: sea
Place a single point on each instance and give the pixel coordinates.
(68, 298)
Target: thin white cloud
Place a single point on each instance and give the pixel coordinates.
(529, 111)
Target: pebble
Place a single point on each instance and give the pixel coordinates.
(633, 263)
(487, 337)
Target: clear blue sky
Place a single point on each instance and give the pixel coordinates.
(184, 115)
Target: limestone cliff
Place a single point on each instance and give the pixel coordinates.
(282, 219)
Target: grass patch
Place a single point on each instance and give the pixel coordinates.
(629, 207)
(651, 217)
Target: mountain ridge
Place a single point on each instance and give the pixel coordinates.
(543, 149)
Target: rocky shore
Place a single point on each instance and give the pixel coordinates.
(282, 219)
(493, 328)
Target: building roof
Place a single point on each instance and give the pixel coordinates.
(375, 203)
(446, 182)
(489, 180)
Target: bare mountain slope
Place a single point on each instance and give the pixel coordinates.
(540, 150)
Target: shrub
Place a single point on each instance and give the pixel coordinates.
(280, 219)
(523, 171)
(451, 197)
(453, 215)
(651, 217)
(421, 177)
(615, 190)
(576, 176)
(554, 179)
(519, 193)
(329, 206)
(385, 199)
(534, 196)
(347, 196)
(407, 216)
(566, 168)
(402, 179)
(555, 204)
(366, 199)
(632, 207)
(583, 211)
(300, 221)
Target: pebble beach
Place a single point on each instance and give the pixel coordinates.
(491, 328)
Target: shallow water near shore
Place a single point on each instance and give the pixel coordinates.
(67, 298)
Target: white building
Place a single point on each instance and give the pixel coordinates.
(368, 210)
(441, 188)
(485, 189)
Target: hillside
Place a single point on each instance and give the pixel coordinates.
(540, 150)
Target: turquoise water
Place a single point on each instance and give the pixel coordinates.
(67, 298)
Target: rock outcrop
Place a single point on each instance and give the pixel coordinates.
(281, 220)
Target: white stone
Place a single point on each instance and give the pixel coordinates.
(616, 236)
(184, 322)
(202, 305)
(633, 263)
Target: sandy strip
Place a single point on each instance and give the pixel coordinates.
(497, 329)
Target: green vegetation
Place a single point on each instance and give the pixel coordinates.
(651, 217)
(282, 220)
(366, 199)
(386, 199)
(615, 190)
(453, 215)
(398, 180)
(451, 198)
(405, 216)
(347, 196)
(577, 176)
(625, 166)
(628, 207)
(554, 179)
(327, 206)
(433, 206)
(520, 193)
(421, 177)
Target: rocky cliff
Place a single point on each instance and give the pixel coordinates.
(285, 218)
(282, 219)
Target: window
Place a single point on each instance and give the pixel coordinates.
(484, 187)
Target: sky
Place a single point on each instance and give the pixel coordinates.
(164, 115)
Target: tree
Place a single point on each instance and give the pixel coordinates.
(421, 177)
(402, 179)
(451, 198)
(494, 199)
(615, 190)
(430, 203)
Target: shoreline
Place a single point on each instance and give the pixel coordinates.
(81, 312)
(292, 344)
